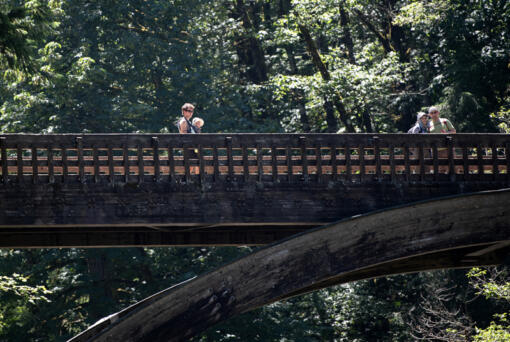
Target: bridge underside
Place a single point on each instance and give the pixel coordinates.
(460, 231)
(191, 214)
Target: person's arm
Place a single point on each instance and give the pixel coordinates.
(450, 127)
(183, 127)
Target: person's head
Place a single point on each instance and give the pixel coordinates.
(187, 110)
(423, 118)
(434, 113)
(198, 122)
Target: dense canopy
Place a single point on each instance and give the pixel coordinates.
(248, 66)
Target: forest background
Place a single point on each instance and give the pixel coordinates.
(250, 66)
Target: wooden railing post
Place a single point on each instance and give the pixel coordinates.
(81, 171)
(95, 161)
(171, 164)
(348, 167)
(19, 161)
(495, 167)
(260, 168)
(155, 152)
(5, 171)
(230, 159)
(392, 164)
(361, 158)
(274, 162)
(304, 158)
(125, 161)
(141, 173)
(406, 162)
(246, 167)
(290, 171)
(479, 155)
(35, 166)
(318, 163)
(334, 167)
(451, 161)
(421, 159)
(377, 156)
(51, 175)
(111, 165)
(507, 153)
(65, 166)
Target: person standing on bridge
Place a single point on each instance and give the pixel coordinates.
(186, 126)
(440, 125)
(422, 124)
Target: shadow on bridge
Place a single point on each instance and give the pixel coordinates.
(459, 231)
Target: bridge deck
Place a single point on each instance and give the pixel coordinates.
(224, 189)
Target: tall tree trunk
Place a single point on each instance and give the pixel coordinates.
(346, 32)
(299, 94)
(249, 50)
(335, 97)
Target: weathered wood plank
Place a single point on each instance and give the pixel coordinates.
(454, 232)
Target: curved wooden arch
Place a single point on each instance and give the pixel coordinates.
(459, 231)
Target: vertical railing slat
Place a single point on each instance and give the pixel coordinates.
(171, 164)
(51, 174)
(507, 153)
(451, 156)
(246, 166)
(362, 176)
(125, 160)
(274, 164)
(318, 163)
(201, 166)
(290, 171)
(334, 167)
(377, 156)
(421, 158)
(406, 162)
(95, 162)
(230, 158)
(5, 169)
(495, 168)
(304, 158)
(155, 153)
(19, 157)
(141, 174)
(348, 167)
(465, 162)
(81, 168)
(111, 165)
(392, 164)
(35, 165)
(185, 156)
(479, 157)
(216, 164)
(65, 165)
(260, 167)
(435, 161)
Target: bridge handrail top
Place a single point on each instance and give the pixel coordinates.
(249, 134)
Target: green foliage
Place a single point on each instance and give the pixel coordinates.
(492, 284)
(128, 66)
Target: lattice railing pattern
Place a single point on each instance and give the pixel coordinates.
(112, 158)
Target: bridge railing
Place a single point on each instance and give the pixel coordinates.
(112, 158)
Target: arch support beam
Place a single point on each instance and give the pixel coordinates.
(459, 231)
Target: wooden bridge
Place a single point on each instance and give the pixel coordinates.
(458, 231)
(224, 189)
